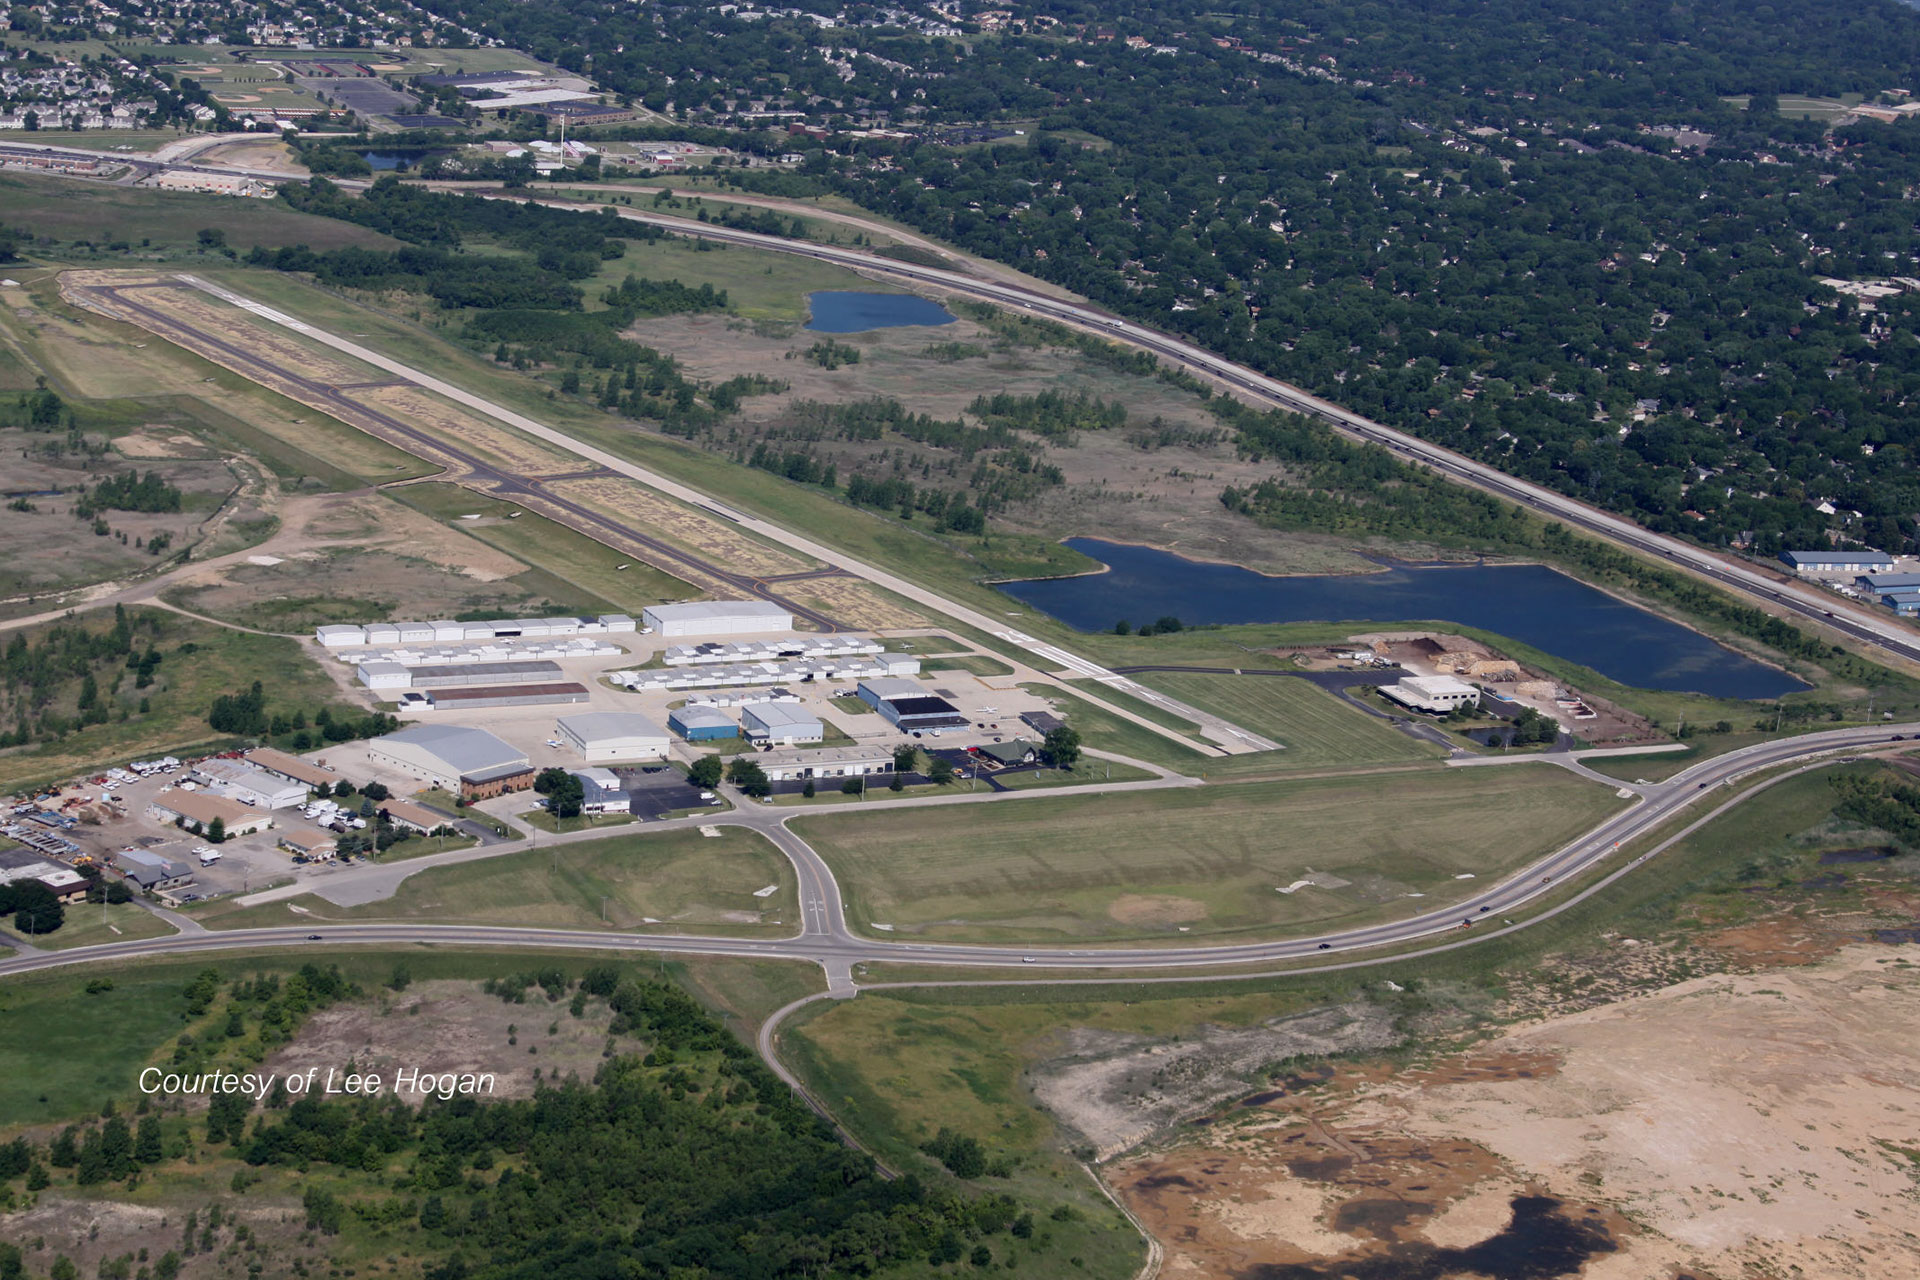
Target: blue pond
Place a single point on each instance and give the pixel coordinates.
(1534, 604)
(834, 312)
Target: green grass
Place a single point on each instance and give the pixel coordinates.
(170, 220)
(1138, 866)
(221, 661)
(979, 664)
(680, 879)
(89, 924)
(1316, 728)
(583, 822)
(759, 285)
(569, 557)
(848, 704)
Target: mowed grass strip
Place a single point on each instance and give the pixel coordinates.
(1315, 727)
(674, 879)
(1176, 865)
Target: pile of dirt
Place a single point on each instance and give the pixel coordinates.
(1117, 1091)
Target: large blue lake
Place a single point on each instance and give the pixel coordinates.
(1534, 604)
(839, 312)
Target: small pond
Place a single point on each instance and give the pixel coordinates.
(841, 312)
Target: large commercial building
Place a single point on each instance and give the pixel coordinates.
(506, 695)
(198, 811)
(825, 762)
(446, 631)
(906, 705)
(1865, 560)
(1880, 582)
(249, 784)
(1436, 695)
(702, 724)
(783, 724)
(471, 762)
(717, 618)
(613, 735)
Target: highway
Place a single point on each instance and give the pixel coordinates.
(825, 938)
(1871, 628)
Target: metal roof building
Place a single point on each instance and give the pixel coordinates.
(249, 784)
(474, 697)
(702, 724)
(717, 618)
(613, 735)
(781, 723)
(445, 754)
(1865, 560)
(825, 762)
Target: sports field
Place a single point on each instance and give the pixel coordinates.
(662, 882)
(1221, 859)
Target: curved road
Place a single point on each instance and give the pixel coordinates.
(827, 940)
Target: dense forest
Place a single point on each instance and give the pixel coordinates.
(685, 1156)
(1577, 241)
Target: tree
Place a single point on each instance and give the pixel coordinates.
(36, 909)
(147, 1146)
(217, 832)
(807, 790)
(853, 786)
(1061, 748)
(940, 770)
(906, 758)
(706, 771)
(749, 777)
(376, 791)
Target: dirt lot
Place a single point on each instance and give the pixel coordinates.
(442, 1026)
(1760, 1124)
(1117, 1090)
(517, 453)
(856, 604)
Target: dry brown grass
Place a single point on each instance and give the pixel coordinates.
(663, 518)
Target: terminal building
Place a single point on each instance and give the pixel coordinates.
(717, 618)
(907, 706)
(613, 735)
(781, 724)
(472, 763)
(1436, 695)
(702, 724)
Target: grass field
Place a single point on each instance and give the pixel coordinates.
(1316, 728)
(146, 220)
(760, 286)
(89, 924)
(1206, 861)
(218, 661)
(662, 882)
(571, 557)
(979, 664)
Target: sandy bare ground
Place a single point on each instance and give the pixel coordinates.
(1761, 1124)
(672, 522)
(1117, 1090)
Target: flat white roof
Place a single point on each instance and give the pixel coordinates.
(776, 714)
(717, 609)
(598, 726)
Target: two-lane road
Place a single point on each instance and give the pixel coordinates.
(826, 939)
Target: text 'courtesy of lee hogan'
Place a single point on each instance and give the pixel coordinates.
(321, 1081)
